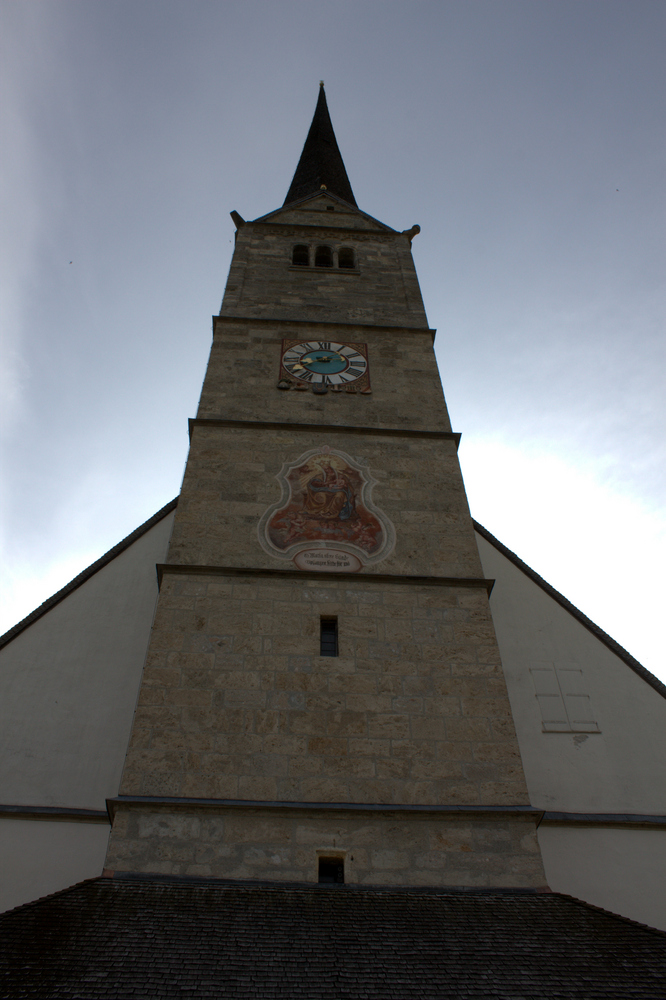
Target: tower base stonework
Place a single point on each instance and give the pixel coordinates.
(284, 842)
(235, 709)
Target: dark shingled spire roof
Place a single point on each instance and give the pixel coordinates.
(320, 162)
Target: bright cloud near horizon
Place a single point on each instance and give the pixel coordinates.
(525, 137)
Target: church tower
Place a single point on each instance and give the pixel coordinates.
(323, 698)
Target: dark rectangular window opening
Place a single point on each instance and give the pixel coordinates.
(323, 257)
(346, 257)
(332, 870)
(328, 637)
(300, 255)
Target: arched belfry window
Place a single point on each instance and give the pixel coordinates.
(346, 257)
(323, 257)
(301, 255)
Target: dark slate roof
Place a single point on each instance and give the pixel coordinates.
(320, 162)
(122, 938)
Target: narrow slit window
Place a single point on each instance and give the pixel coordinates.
(332, 870)
(323, 257)
(328, 637)
(301, 255)
(346, 258)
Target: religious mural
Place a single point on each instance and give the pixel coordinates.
(325, 518)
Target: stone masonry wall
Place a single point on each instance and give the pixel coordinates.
(230, 482)
(243, 370)
(389, 848)
(262, 283)
(237, 703)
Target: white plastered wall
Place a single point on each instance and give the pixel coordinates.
(618, 770)
(622, 869)
(68, 689)
(42, 856)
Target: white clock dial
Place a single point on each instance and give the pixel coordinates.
(324, 362)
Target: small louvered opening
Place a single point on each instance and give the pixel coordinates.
(323, 257)
(328, 637)
(331, 870)
(346, 257)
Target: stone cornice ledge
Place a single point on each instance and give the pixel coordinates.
(188, 803)
(341, 324)
(603, 819)
(302, 574)
(328, 428)
(69, 814)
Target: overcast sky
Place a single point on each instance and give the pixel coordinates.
(525, 137)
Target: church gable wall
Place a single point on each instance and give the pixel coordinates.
(600, 779)
(620, 868)
(41, 856)
(69, 682)
(620, 768)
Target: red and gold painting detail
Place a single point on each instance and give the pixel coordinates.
(325, 505)
(323, 365)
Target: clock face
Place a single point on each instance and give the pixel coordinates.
(319, 362)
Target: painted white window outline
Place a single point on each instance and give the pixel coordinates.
(565, 705)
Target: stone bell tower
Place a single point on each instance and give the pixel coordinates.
(323, 698)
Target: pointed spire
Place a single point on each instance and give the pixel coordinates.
(320, 162)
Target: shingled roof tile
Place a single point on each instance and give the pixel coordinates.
(122, 938)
